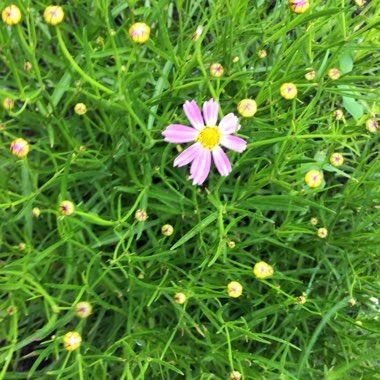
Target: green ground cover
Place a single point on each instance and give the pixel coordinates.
(315, 317)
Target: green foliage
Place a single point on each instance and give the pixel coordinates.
(113, 160)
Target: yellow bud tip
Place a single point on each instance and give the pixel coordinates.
(180, 298)
(334, 74)
(66, 208)
(167, 230)
(80, 109)
(8, 103)
(288, 91)
(322, 233)
(372, 125)
(11, 15)
(336, 159)
(310, 75)
(216, 70)
(262, 270)
(262, 53)
(234, 289)
(235, 375)
(20, 148)
(139, 32)
(83, 309)
(314, 221)
(36, 212)
(141, 215)
(313, 178)
(299, 6)
(338, 114)
(72, 340)
(247, 107)
(54, 15)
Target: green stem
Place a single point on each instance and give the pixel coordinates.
(76, 66)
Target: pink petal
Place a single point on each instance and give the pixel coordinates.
(233, 143)
(188, 155)
(229, 124)
(194, 115)
(210, 112)
(200, 167)
(221, 160)
(177, 133)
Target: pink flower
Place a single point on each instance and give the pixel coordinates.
(208, 137)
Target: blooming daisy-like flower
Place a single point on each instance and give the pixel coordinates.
(208, 137)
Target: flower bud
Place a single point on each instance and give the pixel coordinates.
(310, 75)
(334, 74)
(27, 66)
(322, 233)
(247, 107)
(336, 159)
(352, 302)
(262, 53)
(66, 208)
(371, 125)
(20, 148)
(262, 270)
(54, 14)
(180, 298)
(314, 178)
(216, 70)
(139, 32)
(8, 103)
(141, 215)
(36, 212)
(314, 221)
(167, 230)
(338, 114)
(83, 309)
(235, 375)
(288, 91)
(11, 15)
(231, 244)
(299, 6)
(80, 109)
(301, 299)
(72, 340)
(198, 33)
(235, 289)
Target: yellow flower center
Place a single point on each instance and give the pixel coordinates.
(209, 137)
